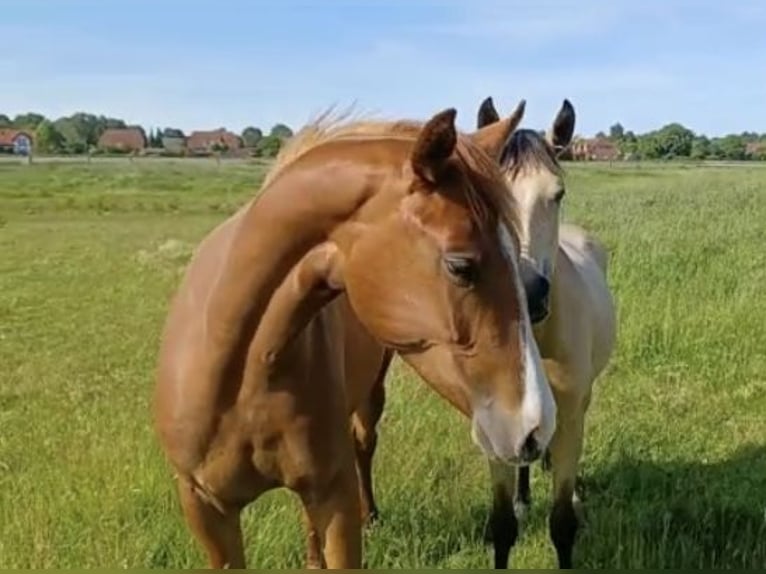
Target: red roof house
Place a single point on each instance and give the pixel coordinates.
(597, 149)
(206, 141)
(15, 141)
(123, 139)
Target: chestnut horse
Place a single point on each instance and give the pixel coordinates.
(390, 235)
(563, 270)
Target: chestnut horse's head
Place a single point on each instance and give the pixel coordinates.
(432, 271)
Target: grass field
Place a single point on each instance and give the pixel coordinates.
(675, 461)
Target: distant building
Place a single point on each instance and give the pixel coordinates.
(14, 141)
(595, 149)
(208, 141)
(173, 144)
(756, 150)
(122, 139)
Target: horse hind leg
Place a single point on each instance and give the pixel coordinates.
(215, 527)
(365, 420)
(333, 520)
(314, 557)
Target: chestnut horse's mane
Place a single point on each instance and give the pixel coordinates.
(486, 193)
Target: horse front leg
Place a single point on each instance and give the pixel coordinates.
(216, 528)
(503, 523)
(565, 451)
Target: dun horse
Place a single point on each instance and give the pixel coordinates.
(397, 231)
(564, 277)
(575, 324)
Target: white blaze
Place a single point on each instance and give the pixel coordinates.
(538, 407)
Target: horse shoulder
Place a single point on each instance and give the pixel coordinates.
(587, 301)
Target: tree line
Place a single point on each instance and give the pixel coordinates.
(677, 141)
(80, 132)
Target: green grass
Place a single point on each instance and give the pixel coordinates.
(675, 461)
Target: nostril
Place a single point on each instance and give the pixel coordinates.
(530, 450)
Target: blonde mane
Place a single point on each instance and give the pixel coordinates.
(486, 193)
(329, 127)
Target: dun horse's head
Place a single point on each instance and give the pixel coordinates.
(535, 180)
(435, 276)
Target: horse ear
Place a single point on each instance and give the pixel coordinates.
(434, 146)
(487, 113)
(562, 129)
(492, 138)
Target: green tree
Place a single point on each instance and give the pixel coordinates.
(269, 146)
(281, 131)
(74, 141)
(48, 139)
(28, 121)
(731, 147)
(251, 136)
(616, 132)
(5, 121)
(700, 148)
(674, 140)
(648, 146)
(155, 138)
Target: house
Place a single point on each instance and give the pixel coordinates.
(15, 141)
(122, 139)
(595, 149)
(755, 150)
(174, 144)
(214, 140)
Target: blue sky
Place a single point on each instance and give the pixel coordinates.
(203, 64)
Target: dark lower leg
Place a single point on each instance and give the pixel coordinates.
(524, 495)
(545, 462)
(563, 526)
(504, 530)
(218, 532)
(364, 453)
(503, 524)
(565, 449)
(365, 442)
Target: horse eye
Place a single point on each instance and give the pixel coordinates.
(463, 270)
(559, 195)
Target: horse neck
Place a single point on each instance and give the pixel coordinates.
(547, 333)
(296, 213)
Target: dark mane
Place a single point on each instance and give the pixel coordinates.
(528, 149)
